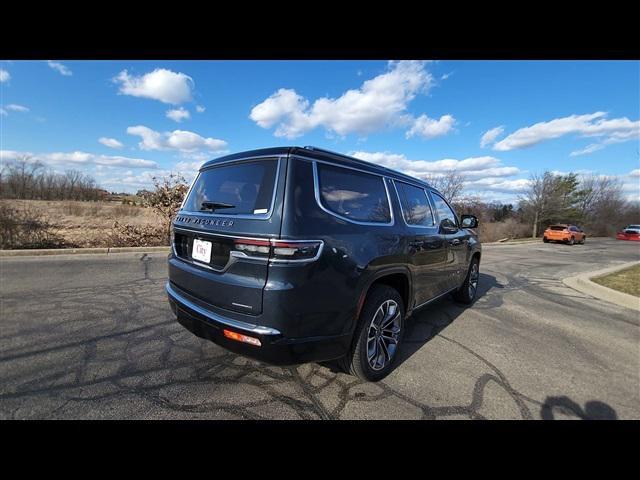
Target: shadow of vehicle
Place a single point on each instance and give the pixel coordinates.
(427, 322)
(593, 409)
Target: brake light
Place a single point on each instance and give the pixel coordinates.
(241, 338)
(279, 250)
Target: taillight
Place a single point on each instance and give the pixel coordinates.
(279, 250)
(282, 250)
(254, 248)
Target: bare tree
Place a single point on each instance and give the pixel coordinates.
(450, 184)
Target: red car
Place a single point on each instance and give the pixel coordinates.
(630, 232)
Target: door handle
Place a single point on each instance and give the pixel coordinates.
(455, 242)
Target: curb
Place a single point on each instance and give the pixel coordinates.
(583, 283)
(70, 251)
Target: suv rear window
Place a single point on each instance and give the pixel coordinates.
(415, 205)
(352, 194)
(557, 227)
(247, 186)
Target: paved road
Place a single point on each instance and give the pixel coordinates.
(92, 336)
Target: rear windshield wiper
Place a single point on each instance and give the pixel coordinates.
(215, 205)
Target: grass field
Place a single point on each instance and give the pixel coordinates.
(626, 281)
(86, 224)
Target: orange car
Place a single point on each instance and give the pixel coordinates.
(564, 233)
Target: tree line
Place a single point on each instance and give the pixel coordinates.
(594, 202)
(26, 179)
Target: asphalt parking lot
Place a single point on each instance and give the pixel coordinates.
(92, 337)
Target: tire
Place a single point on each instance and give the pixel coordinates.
(467, 292)
(372, 359)
(572, 241)
(584, 239)
(545, 239)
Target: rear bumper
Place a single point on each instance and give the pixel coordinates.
(275, 348)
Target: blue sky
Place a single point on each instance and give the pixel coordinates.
(424, 118)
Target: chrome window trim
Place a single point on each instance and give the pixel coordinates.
(258, 216)
(433, 217)
(248, 327)
(388, 175)
(316, 189)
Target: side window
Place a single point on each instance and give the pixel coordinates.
(354, 195)
(415, 205)
(446, 215)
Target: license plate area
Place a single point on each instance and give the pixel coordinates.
(201, 251)
(194, 247)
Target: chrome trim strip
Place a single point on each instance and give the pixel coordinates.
(248, 327)
(424, 304)
(433, 217)
(235, 255)
(215, 234)
(316, 189)
(389, 171)
(261, 216)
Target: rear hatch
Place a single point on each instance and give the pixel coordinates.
(230, 210)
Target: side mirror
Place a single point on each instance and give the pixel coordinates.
(469, 221)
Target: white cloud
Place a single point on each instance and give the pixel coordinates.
(590, 125)
(446, 75)
(110, 142)
(480, 174)
(189, 167)
(426, 127)
(635, 173)
(379, 102)
(60, 68)
(490, 136)
(4, 75)
(161, 84)
(79, 158)
(180, 140)
(178, 114)
(200, 108)
(469, 167)
(17, 108)
(499, 185)
(3, 112)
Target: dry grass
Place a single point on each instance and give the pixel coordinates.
(494, 231)
(87, 224)
(626, 281)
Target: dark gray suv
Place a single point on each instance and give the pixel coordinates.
(293, 255)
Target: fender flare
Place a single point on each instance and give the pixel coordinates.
(383, 273)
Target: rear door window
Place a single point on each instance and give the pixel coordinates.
(238, 189)
(415, 205)
(354, 195)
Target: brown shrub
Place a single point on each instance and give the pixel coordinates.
(27, 228)
(123, 235)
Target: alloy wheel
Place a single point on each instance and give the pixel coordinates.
(383, 335)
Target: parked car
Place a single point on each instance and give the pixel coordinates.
(569, 234)
(630, 232)
(293, 255)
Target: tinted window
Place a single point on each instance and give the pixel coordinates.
(415, 206)
(445, 214)
(352, 194)
(247, 186)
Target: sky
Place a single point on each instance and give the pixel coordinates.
(494, 122)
